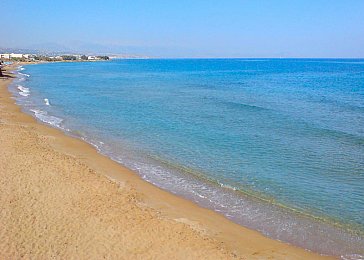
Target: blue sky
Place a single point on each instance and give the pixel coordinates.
(275, 28)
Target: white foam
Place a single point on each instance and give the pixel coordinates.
(23, 94)
(23, 89)
(46, 101)
(27, 75)
(352, 257)
(44, 117)
(226, 186)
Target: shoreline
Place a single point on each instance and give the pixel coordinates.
(202, 228)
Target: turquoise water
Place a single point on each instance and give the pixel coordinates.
(273, 144)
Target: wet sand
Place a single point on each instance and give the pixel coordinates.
(61, 199)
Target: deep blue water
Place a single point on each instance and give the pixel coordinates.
(273, 144)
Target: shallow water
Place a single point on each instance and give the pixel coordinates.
(275, 145)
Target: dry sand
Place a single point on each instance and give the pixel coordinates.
(60, 199)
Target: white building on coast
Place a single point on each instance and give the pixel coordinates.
(5, 56)
(92, 58)
(8, 56)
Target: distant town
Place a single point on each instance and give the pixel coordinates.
(43, 57)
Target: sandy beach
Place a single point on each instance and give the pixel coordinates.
(61, 199)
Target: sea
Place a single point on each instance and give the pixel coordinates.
(275, 145)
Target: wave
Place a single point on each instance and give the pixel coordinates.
(44, 117)
(238, 105)
(27, 75)
(46, 101)
(23, 91)
(23, 94)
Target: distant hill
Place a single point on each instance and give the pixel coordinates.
(19, 50)
(54, 49)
